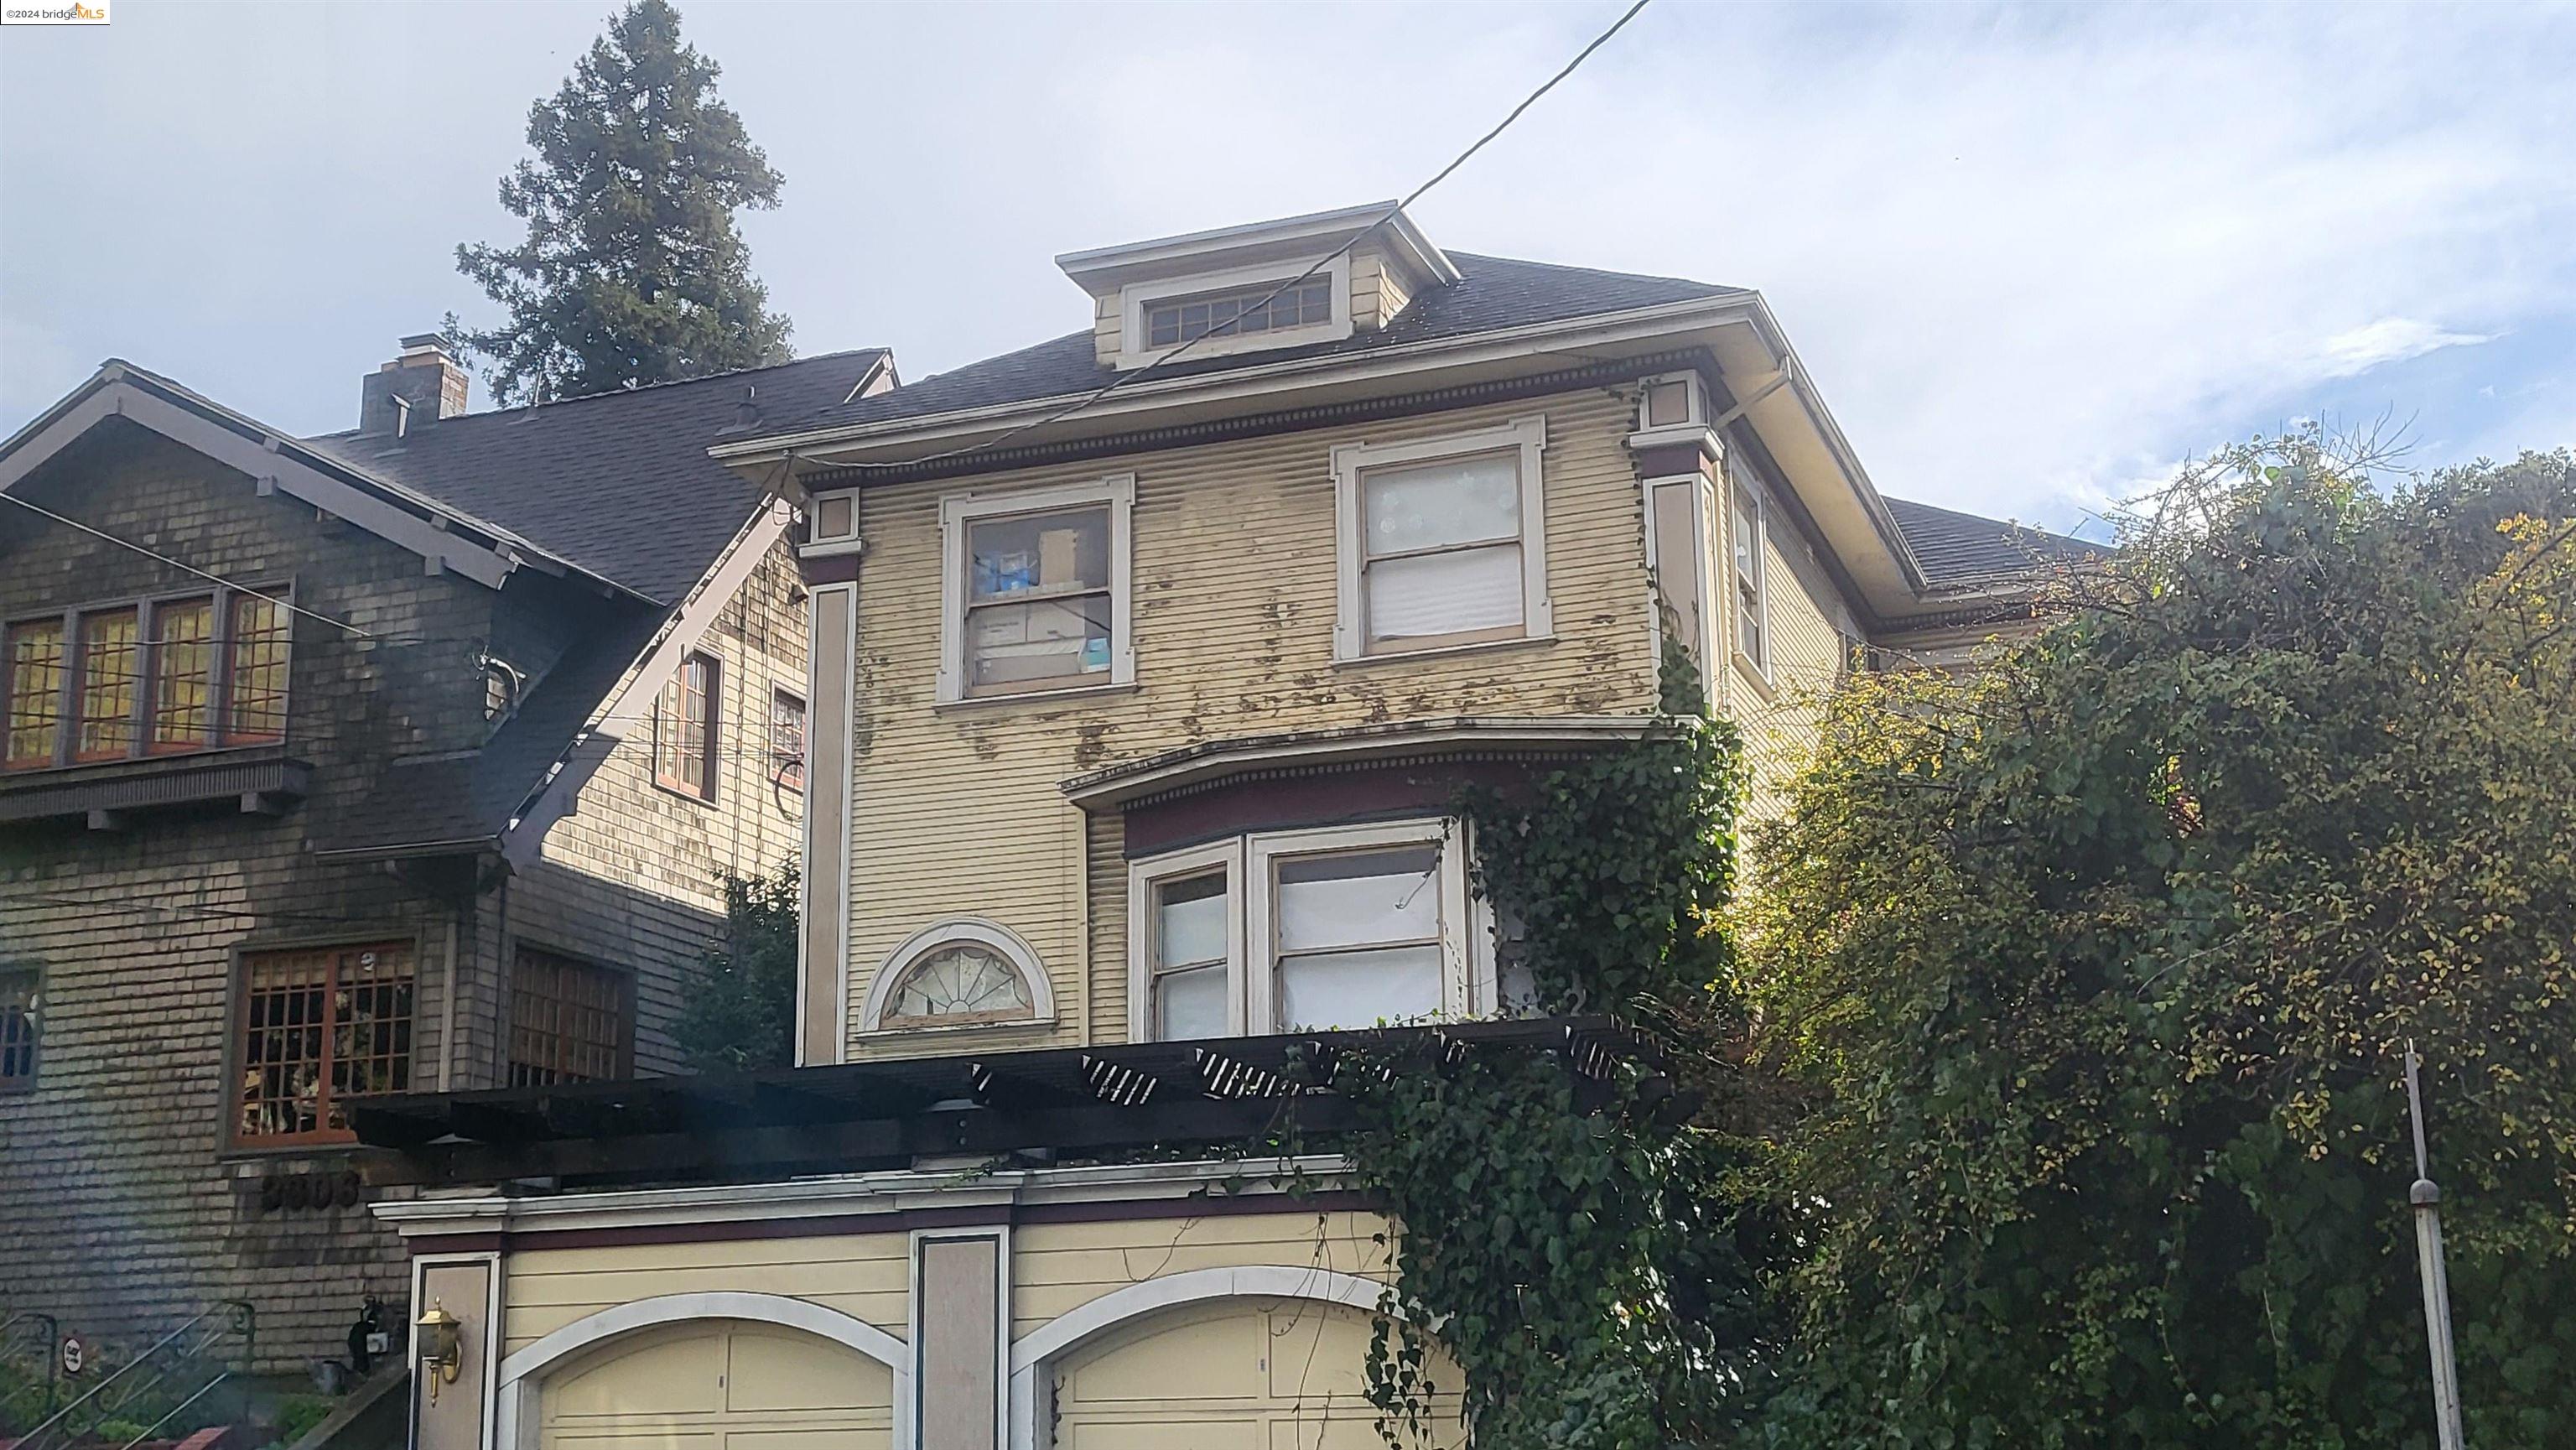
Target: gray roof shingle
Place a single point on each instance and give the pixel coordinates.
(618, 483)
(1956, 548)
(1493, 293)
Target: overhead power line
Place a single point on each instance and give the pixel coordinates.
(1128, 379)
(177, 564)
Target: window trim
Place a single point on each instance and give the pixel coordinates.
(708, 754)
(956, 931)
(1743, 496)
(33, 1015)
(1143, 879)
(221, 735)
(779, 756)
(1468, 989)
(959, 512)
(1352, 461)
(237, 1038)
(1135, 299)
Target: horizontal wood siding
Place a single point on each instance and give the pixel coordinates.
(1811, 627)
(958, 810)
(866, 1276)
(1057, 1268)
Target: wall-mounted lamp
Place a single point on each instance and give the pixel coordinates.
(442, 1346)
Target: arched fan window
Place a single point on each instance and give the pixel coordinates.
(956, 974)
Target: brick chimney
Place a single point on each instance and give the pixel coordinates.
(420, 387)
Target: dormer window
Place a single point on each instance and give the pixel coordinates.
(1274, 307)
(1213, 292)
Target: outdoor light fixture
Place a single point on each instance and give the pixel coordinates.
(442, 1346)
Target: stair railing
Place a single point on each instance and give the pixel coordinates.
(184, 1360)
(36, 1338)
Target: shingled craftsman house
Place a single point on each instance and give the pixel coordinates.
(408, 758)
(1134, 730)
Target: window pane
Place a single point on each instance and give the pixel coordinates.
(371, 1028)
(1748, 558)
(567, 1020)
(684, 724)
(183, 678)
(1359, 898)
(1047, 639)
(35, 692)
(1358, 989)
(1440, 594)
(967, 981)
(17, 1029)
(1190, 1004)
(110, 671)
(787, 739)
(319, 1027)
(1057, 553)
(257, 692)
(1192, 926)
(1454, 501)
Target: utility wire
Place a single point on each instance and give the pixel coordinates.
(1148, 370)
(188, 568)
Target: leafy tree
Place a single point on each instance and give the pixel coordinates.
(631, 271)
(738, 1009)
(2103, 964)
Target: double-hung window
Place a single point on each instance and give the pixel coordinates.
(1443, 542)
(787, 739)
(141, 678)
(17, 1028)
(684, 728)
(1752, 618)
(1310, 930)
(1035, 587)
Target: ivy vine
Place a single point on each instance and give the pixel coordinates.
(1571, 1245)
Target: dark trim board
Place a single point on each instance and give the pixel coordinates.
(886, 1114)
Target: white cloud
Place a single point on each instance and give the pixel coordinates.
(2390, 339)
(2033, 255)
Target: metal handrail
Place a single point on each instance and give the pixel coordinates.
(241, 1321)
(51, 1335)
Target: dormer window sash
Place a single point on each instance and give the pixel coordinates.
(1162, 313)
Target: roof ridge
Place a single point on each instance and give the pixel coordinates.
(628, 392)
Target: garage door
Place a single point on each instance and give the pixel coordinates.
(719, 1385)
(1242, 1375)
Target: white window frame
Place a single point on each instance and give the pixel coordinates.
(1745, 496)
(1467, 977)
(1136, 298)
(958, 512)
(1351, 461)
(1143, 879)
(954, 932)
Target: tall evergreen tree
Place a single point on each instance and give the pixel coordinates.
(632, 271)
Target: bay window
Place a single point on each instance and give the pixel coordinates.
(1308, 930)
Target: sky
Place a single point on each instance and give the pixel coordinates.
(2033, 256)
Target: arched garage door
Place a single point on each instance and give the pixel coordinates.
(718, 1385)
(1233, 1375)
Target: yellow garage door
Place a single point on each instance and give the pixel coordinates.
(1241, 1375)
(720, 1385)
